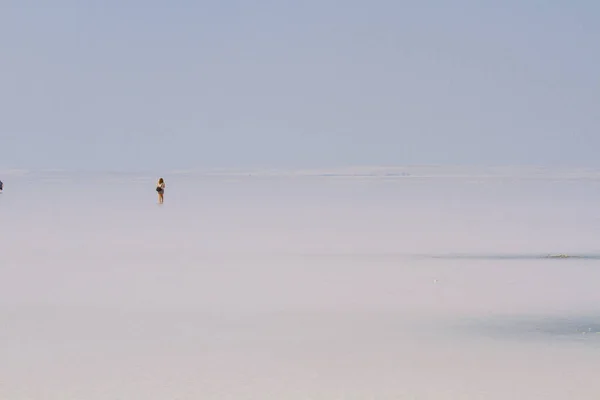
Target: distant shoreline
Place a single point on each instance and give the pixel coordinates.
(389, 172)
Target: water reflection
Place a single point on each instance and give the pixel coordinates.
(553, 256)
(582, 328)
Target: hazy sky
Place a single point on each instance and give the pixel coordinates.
(132, 84)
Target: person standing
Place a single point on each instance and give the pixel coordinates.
(160, 188)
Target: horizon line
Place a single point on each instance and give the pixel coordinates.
(374, 170)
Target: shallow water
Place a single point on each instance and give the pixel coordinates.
(298, 287)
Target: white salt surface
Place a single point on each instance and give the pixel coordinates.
(249, 287)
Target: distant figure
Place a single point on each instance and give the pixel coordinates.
(160, 188)
(1, 186)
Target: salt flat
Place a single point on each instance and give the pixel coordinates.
(299, 286)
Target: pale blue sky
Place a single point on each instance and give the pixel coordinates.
(132, 84)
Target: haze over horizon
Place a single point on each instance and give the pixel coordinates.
(160, 86)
